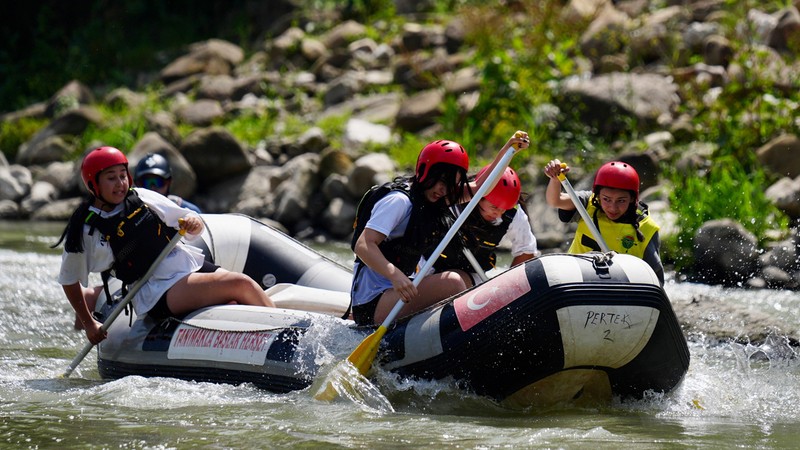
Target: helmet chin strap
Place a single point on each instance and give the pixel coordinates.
(102, 200)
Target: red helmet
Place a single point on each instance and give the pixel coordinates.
(441, 151)
(506, 192)
(99, 160)
(618, 175)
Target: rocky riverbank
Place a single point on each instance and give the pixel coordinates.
(308, 183)
(710, 319)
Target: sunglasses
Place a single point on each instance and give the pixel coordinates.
(152, 182)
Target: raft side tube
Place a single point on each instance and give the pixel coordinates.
(240, 243)
(532, 325)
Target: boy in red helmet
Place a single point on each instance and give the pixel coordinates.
(397, 222)
(497, 216)
(119, 230)
(613, 203)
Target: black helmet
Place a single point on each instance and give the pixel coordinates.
(153, 164)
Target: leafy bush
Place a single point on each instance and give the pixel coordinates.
(14, 134)
(250, 128)
(727, 190)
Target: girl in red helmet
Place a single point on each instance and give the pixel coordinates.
(397, 222)
(496, 217)
(613, 203)
(119, 230)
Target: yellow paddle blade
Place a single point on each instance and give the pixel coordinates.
(361, 359)
(365, 353)
(327, 393)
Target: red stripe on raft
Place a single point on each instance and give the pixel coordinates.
(491, 296)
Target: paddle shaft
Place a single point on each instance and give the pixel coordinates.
(494, 175)
(475, 264)
(584, 214)
(124, 302)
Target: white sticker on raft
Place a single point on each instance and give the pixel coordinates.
(607, 336)
(219, 345)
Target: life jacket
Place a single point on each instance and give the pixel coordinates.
(421, 234)
(619, 236)
(136, 236)
(480, 237)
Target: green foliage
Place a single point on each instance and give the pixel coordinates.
(522, 48)
(125, 130)
(334, 127)
(14, 134)
(727, 190)
(406, 152)
(251, 128)
(745, 116)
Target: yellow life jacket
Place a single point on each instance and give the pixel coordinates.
(620, 237)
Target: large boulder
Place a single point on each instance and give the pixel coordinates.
(605, 101)
(215, 155)
(184, 179)
(725, 253)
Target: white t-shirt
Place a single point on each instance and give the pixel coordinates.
(520, 235)
(389, 217)
(97, 255)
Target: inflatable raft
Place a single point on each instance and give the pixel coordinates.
(557, 328)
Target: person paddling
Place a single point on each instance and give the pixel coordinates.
(398, 222)
(613, 203)
(497, 216)
(119, 230)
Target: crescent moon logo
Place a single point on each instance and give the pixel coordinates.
(475, 306)
(490, 297)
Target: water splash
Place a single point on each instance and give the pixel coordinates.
(344, 380)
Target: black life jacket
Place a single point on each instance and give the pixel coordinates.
(426, 227)
(136, 235)
(480, 237)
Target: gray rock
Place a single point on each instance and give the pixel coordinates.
(41, 194)
(781, 155)
(9, 209)
(338, 218)
(15, 182)
(60, 210)
(725, 252)
(359, 133)
(201, 113)
(184, 179)
(369, 170)
(215, 155)
(420, 110)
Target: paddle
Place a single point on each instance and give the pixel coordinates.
(127, 299)
(584, 214)
(475, 264)
(365, 353)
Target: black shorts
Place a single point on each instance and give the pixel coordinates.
(365, 314)
(160, 311)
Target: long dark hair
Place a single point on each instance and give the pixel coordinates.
(73, 232)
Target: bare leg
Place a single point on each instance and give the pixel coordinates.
(198, 290)
(467, 278)
(90, 296)
(431, 289)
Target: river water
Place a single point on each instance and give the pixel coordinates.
(733, 395)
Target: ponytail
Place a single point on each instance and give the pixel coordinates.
(72, 236)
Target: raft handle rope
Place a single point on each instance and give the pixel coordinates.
(602, 263)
